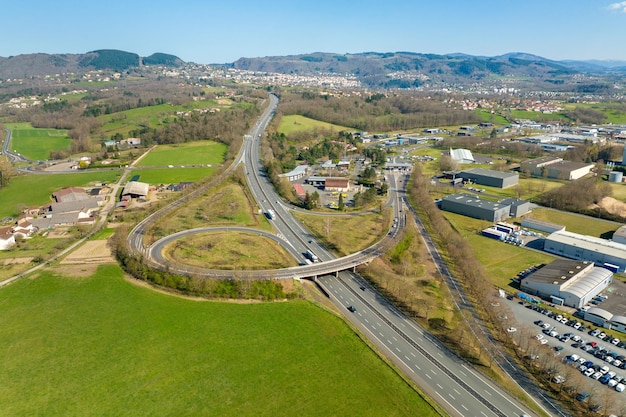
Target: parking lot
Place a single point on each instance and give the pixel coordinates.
(599, 365)
(616, 302)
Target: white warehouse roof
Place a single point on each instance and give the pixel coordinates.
(600, 313)
(591, 243)
(581, 287)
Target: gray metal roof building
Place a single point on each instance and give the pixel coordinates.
(490, 178)
(472, 206)
(565, 282)
(136, 189)
(586, 248)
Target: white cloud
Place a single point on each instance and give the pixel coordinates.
(617, 7)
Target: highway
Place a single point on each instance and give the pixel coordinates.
(448, 379)
(440, 373)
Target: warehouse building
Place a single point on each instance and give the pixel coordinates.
(541, 225)
(598, 316)
(586, 248)
(490, 178)
(462, 156)
(569, 283)
(518, 207)
(471, 206)
(554, 167)
(619, 235)
(295, 174)
(136, 189)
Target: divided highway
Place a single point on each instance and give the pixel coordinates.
(448, 379)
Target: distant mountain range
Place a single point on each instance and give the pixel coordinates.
(29, 65)
(409, 69)
(373, 69)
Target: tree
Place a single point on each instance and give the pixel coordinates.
(340, 205)
(6, 171)
(446, 163)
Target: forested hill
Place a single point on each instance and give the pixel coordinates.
(409, 69)
(29, 65)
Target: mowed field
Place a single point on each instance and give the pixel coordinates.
(501, 261)
(172, 175)
(192, 153)
(101, 346)
(296, 123)
(35, 190)
(35, 143)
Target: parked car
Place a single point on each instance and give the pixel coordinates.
(594, 332)
(583, 396)
(589, 372)
(620, 387)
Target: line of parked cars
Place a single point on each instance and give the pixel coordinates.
(596, 371)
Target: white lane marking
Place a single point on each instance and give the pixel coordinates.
(389, 341)
(450, 395)
(455, 390)
(381, 335)
(488, 393)
(418, 368)
(394, 338)
(439, 354)
(413, 354)
(428, 376)
(341, 296)
(462, 373)
(439, 386)
(483, 413)
(464, 407)
(433, 371)
(398, 349)
(366, 320)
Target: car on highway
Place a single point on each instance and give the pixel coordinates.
(351, 309)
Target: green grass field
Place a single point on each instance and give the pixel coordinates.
(125, 121)
(100, 346)
(501, 261)
(192, 153)
(35, 143)
(35, 190)
(576, 223)
(296, 123)
(172, 175)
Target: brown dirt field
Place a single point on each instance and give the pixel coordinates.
(75, 270)
(17, 261)
(92, 252)
(58, 233)
(612, 205)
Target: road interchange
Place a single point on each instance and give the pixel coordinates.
(447, 378)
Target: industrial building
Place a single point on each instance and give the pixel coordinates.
(541, 225)
(490, 178)
(569, 283)
(337, 184)
(136, 189)
(462, 156)
(619, 235)
(554, 167)
(586, 248)
(605, 319)
(295, 174)
(472, 206)
(518, 207)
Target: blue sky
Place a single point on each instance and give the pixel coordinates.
(222, 31)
